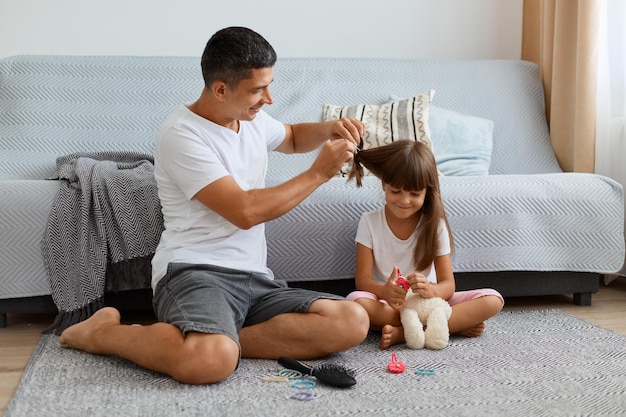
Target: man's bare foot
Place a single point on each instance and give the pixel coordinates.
(81, 335)
(391, 335)
(473, 331)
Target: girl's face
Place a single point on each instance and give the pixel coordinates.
(403, 204)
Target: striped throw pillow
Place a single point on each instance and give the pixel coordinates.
(385, 123)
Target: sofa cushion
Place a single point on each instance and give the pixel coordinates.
(462, 143)
(384, 123)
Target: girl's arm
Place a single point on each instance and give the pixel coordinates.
(364, 278)
(446, 285)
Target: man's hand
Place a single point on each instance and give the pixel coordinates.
(349, 129)
(332, 156)
(345, 135)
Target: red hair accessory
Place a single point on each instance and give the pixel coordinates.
(395, 366)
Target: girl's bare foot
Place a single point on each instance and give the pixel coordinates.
(474, 331)
(81, 335)
(391, 335)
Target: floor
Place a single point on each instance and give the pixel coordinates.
(18, 340)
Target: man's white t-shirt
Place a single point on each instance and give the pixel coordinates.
(389, 251)
(190, 153)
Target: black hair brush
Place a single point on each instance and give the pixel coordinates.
(328, 373)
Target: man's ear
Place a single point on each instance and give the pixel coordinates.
(218, 89)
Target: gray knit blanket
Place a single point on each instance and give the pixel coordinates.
(102, 231)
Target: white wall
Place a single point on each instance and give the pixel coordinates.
(456, 29)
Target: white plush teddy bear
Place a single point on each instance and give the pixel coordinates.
(433, 313)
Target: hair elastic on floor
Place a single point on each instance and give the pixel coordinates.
(304, 384)
(425, 372)
(303, 396)
(290, 374)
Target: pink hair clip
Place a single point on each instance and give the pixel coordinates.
(402, 282)
(395, 366)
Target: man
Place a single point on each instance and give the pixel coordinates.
(214, 297)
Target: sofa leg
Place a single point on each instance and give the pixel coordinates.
(3, 320)
(582, 299)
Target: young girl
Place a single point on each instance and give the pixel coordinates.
(410, 234)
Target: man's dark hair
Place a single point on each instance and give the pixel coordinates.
(232, 53)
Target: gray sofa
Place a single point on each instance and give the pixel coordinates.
(526, 228)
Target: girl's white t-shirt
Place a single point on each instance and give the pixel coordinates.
(389, 251)
(192, 152)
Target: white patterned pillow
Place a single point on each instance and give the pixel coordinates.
(385, 123)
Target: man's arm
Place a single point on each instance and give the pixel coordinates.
(246, 209)
(306, 137)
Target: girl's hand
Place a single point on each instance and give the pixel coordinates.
(421, 286)
(392, 292)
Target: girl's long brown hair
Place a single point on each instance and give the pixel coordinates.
(410, 166)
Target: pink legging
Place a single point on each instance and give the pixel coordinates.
(457, 298)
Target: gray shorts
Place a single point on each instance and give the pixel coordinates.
(213, 299)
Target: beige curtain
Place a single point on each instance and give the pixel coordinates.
(560, 36)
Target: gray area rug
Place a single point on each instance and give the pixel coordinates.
(534, 363)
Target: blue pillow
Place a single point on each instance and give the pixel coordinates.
(462, 143)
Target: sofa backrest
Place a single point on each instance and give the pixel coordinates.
(55, 105)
